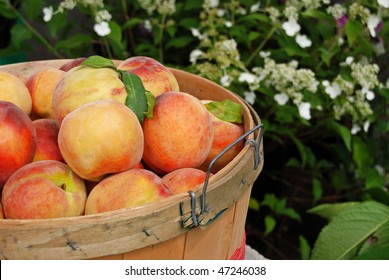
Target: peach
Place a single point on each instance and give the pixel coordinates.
(15, 91)
(126, 189)
(47, 140)
(17, 140)
(99, 138)
(42, 86)
(224, 134)
(179, 135)
(156, 77)
(83, 84)
(184, 179)
(1, 212)
(44, 189)
(72, 63)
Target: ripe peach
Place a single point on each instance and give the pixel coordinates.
(83, 84)
(42, 86)
(126, 189)
(101, 137)
(180, 134)
(72, 63)
(184, 179)
(1, 212)
(224, 134)
(17, 140)
(156, 77)
(47, 140)
(44, 189)
(15, 91)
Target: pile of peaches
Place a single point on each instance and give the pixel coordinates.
(70, 146)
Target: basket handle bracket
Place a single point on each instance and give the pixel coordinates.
(196, 219)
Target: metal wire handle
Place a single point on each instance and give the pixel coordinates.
(257, 161)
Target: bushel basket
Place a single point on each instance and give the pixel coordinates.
(206, 224)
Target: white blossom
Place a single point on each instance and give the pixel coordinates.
(213, 3)
(305, 110)
(196, 33)
(220, 12)
(255, 8)
(264, 54)
(228, 24)
(291, 27)
(247, 77)
(366, 125)
(379, 48)
(47, 13)
(372, 23)
(368, 93)
(102, 29)
(281, 98)
(349, 60)
(383, 3)
(226, 80)
(303, 41)
(355, 129)
(249, 96)
(147, 25)
(333, 89)
(194, 55)
(380, 169)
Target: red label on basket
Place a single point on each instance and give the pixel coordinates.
(240, 253)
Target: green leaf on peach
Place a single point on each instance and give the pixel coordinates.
(137, 98)
(226, 110)
(97, 61)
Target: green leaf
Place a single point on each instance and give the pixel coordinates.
(150, 104)
(57, 23)
(326, 55)
(7, 11)
(97, 61)
(379, 195)
(76, 41)
(301, 148)
(373, 245)
(379, 253)
(344, 235)
(137, 99)
(116, 32)
(317, 190)
(254, 204)
(361, 155)
(226, 110)
(353, 28)
(33, 9)
(374, 179)
(279, 206)
(270, 224)
(131, 22)
(305, 248)
(19, 34)
(344, 132)
(329, 211)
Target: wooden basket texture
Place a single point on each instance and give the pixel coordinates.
(163, 230)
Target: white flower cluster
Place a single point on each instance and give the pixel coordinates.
(102, 16)
(163, 7)
(292, 27)
(351, 97)
(286, 79)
